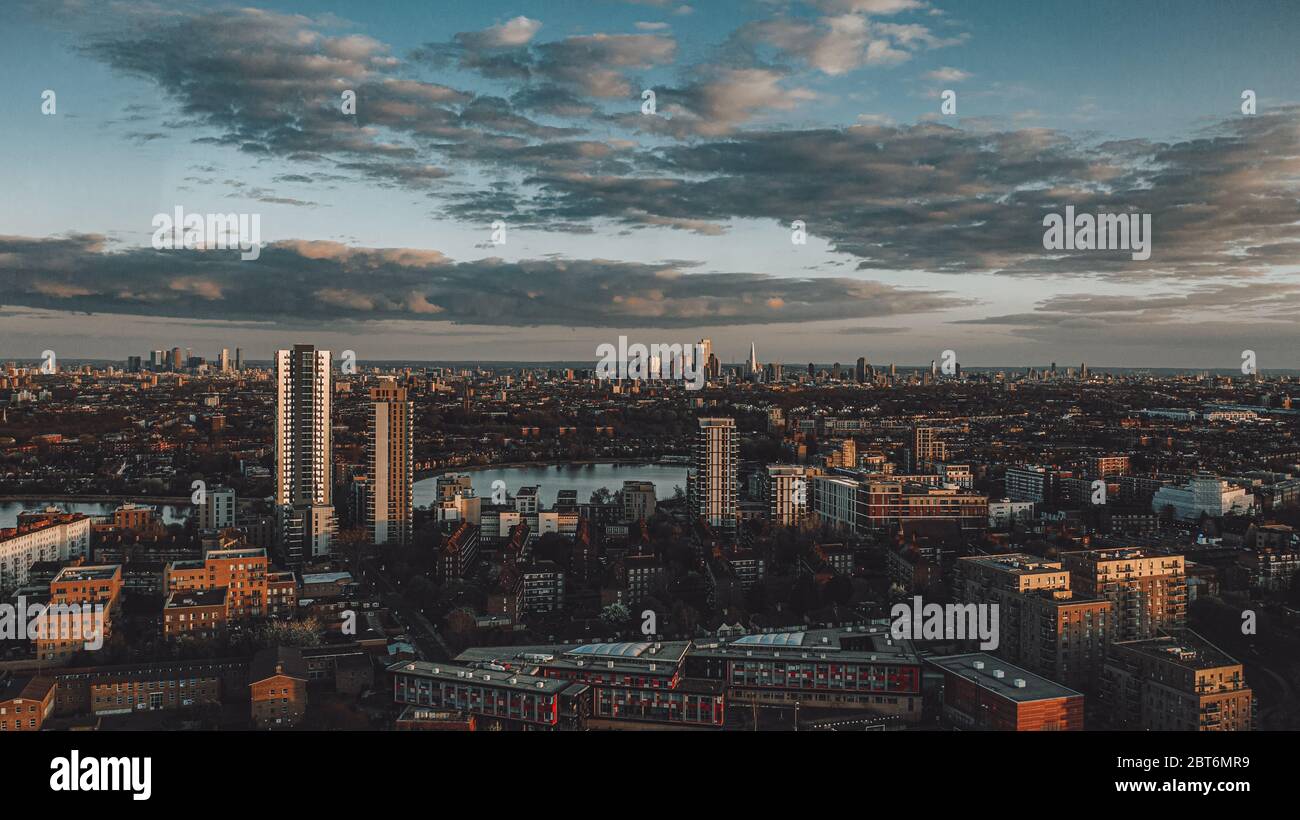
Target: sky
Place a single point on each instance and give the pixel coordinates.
(922, 227)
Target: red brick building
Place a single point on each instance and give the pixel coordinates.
(242, 571)
(25, 702)
(83, 601)
(983, 692)
(200, 613)
(277, 686)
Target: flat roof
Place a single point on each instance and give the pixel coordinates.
(860, 644)
(326, 577)
(237, 552)
(456, 673)
(1013, 683)
(1182, 647)
(196, 597)
(631, 656)
(102, 572)
(1016, 563)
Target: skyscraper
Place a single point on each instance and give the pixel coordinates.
(711, 481)
(753, 372)
(705, 353)
(303, 441)
(224, 360)
(390, 451)
(239, 359)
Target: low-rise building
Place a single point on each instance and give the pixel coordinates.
(983, 692)
(857, 668)
(277, 687)
(199, 613)
(25, 702)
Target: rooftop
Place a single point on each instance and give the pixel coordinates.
(1182, 647)
(996, 675)
(26, 687)
(238, 552)
(102, 572)
(861, 644)
(1016, 563)
(327, 578)
(662, 658)
(465, 674)
(197, 597)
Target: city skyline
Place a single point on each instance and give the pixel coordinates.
(924, 230)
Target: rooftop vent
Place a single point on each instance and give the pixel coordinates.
(1019, 682)
(998, 673)
(978, 664)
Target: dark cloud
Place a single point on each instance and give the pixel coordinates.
(306, 282)
(273, 84)
(938, 198)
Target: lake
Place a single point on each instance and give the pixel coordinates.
(171, 513)
(585, 478)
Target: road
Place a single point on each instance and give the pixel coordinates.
(428, 642)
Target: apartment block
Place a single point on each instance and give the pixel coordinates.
(1148, 590)
(243, 572)
(1175, 682)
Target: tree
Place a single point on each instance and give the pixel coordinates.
(616, 614)
(304, 632)
(459, 626)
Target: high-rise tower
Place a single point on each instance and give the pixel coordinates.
(711, 481)
(390, 452)
(303, 443)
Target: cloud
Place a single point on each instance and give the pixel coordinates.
(943, 199)
(311, 282)
(947, 75)
(273, 84)
(513, 33)
(723, 99)
(588, 65)
(846, 37)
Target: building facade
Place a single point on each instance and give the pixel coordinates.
(712, 489)
(303, 452)
(391, 458)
